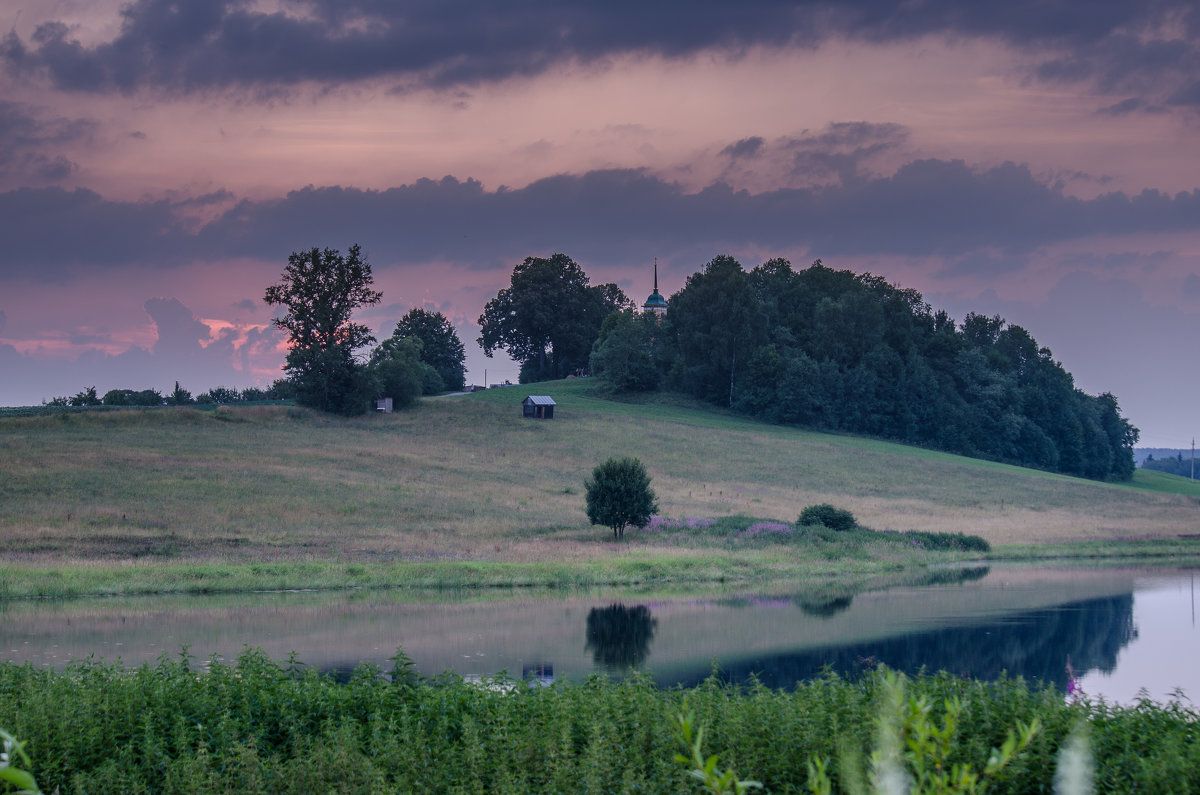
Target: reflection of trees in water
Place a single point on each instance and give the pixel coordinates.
(618, 636)
(1033, 645)
(824, 608)
(828, 602)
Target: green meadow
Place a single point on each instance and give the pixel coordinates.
(464, 491)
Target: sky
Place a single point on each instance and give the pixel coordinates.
(160, 159)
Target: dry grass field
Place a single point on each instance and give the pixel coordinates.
(466, 478)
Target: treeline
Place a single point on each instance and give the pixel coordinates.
(319, 292)
(282, 389)
(1172, 465)
(836, 350)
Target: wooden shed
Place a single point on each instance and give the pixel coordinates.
(539, 406)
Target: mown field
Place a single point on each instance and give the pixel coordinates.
(463, 490)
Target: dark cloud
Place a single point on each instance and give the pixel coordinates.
(26, 134)
(179, 332)
(1190, 288)
(745, 148)
(841, 148)
(927, 208)
(247, 304)
(197, 46)
(79, 227)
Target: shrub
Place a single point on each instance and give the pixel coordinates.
(619, 495)
(948, 541)
(827, 515)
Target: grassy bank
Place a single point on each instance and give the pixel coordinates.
(464, 491)
(258, 726)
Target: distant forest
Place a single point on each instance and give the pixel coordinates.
(841, 351)
(1178, 464)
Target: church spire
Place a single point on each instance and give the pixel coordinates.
(655, 303)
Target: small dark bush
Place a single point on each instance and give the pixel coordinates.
(948, 541)
(827, 515)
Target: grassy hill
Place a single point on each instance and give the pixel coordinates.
(464, 490)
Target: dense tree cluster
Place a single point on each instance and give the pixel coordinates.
(1177, 464)
(326, 368)
(282, 389)
(849, 352)
(320, 290)
(548, 317)
(441, 351)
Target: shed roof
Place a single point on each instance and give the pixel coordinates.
(540, 400)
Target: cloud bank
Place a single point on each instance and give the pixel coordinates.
(931, 207)
(1147, 49)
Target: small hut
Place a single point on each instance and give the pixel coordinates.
(539, 407)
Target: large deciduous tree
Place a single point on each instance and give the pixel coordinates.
(549, 316)
(320, 290)
(441, 348)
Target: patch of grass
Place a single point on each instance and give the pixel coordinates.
(468, 480)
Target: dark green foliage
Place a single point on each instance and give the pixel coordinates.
(397, 371)
(827, 515)
(850, 352)
(623, 358)
(281, 389)
(87, 397)
(130, 397)
(256, 726)
(619, 495)
(179, 396)
(320, 291)
(549, 317)
(441, 348)
(223, 395)
(1172, 465)
(947, 541)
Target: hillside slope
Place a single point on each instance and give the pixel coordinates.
(467, 478)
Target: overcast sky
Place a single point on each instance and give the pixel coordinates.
(159, 160)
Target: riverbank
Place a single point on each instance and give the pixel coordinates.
(627, 567)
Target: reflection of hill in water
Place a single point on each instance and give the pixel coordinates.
(1033, 645)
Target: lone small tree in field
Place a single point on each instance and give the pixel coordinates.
(619, 495)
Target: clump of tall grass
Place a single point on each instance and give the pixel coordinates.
(254, 725)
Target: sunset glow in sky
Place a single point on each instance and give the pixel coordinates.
(159, 160)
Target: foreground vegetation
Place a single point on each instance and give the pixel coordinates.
(259, 726)
(463, 491)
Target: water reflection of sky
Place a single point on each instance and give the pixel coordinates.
(1124, 629)
(1165, 655)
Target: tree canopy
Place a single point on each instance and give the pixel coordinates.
(548, 317)
(619, 495)
(850, 352)
(321, 289)
(441, 348)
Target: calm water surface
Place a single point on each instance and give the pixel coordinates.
(1124, 632)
